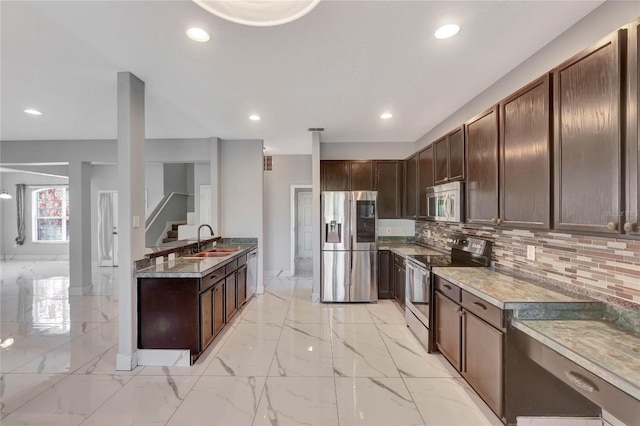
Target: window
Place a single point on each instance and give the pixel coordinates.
(51, 214)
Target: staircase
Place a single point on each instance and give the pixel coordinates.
(172, 234)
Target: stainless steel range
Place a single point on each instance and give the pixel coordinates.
(465, 252)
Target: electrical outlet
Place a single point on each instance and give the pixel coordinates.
(428, 233)
(388, 230)
(531, 252)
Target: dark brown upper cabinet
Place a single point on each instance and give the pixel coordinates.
(587, 138)
(482, 168)
(449, 157)
(525, 146)
(361, 176)
(388, 177)
(425, 179)
(632, 213)
(334, 175)
(410, 184)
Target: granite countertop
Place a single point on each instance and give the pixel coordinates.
(408, 249)
(600, 347)
(189, 267)
(166, 248)
(504, 291)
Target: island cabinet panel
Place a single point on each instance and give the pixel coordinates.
(525, 146)
(482, 347)
(361, 176)
(388, 177)
(410, 181)
(448, 329)
(632, 211)
(241, 280)
(335, 175)
(206, 318)
(482, 168)
(587, 143)
(230, 295)
(425, 179)
(168, 314)
(385, 277)
(218, 308)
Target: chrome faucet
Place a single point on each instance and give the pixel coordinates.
(199, 228)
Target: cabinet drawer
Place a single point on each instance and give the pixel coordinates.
(398, 260)
(212, 278)
(231, 266)
(607, 396)
(445, 287)
(242, 260)
(482, 309)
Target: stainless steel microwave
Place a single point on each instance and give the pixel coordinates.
(445, 203)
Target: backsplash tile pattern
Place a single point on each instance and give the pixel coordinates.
(604, 268)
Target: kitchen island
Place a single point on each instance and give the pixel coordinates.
(184, 303)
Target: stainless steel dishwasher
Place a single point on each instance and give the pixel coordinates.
(252, 273)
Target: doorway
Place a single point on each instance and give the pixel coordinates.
(108, 228)
(302, 227)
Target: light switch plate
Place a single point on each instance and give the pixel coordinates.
(531, 252)
(135, 222)
(388, 230)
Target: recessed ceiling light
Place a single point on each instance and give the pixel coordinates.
(386, 115)
(447, 31)
(254, 117)
(32, 111)
(198, 34)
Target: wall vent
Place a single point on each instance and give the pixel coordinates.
(316, 129)
(268, 163)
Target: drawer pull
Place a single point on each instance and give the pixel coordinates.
(481, 305)
(580, 381)
(447, 286)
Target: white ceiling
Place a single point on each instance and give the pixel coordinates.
(339, 67)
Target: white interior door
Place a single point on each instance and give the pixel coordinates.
(305, 226)
(107, 228)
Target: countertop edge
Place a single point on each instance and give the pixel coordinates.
(581, 360)
(441, 272)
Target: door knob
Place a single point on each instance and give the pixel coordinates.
(499, 221)
(628, 227)
(612, 226)
(494, 220)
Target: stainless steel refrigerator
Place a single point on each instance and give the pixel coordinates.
(349, 246)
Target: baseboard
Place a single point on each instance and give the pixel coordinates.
(126, 362)
(164, 357)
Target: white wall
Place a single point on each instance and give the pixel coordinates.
(241, 196)
(201, 176)
(154, 184)
(602, 21)
(366, 151)
(10, 216)
(287, 170)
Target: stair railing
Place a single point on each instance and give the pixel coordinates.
(172, 208)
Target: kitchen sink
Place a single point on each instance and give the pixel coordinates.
(220, 250)
(210, 254)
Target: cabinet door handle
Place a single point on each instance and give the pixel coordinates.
(628, 227)
(447, 286)
(580, 381)
(481, 305)
(612, 226)
(499, 221)
(494, 220)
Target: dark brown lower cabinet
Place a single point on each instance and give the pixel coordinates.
(482, 349)
(241, 282)
(206, 318)
(218, 308)
(448, 329)
(230, 289)
(385, 277)
(398, 279)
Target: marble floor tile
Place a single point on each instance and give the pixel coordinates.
(386, 312)
(375, 401)
(105, 363)
(18, 389)
(410, 357)
(68, 402)
(450, 402)
(297, 401)
(228, 401)
(358, 351)
(303, 350)
(350, 314)
(144, 400)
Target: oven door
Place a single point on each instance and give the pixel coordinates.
(418, 292)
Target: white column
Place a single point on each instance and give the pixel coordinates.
(131, 210)
(214, 161)
(80, 228)
(315, 218)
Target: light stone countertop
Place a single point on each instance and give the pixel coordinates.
(600, 347)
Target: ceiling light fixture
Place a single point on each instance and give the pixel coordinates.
(32, 111)
(254, 117)
(447, 31)
(5, 195)
(258, 13)
(198, 34)
(386, 115)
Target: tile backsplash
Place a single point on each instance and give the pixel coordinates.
(604, 268)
